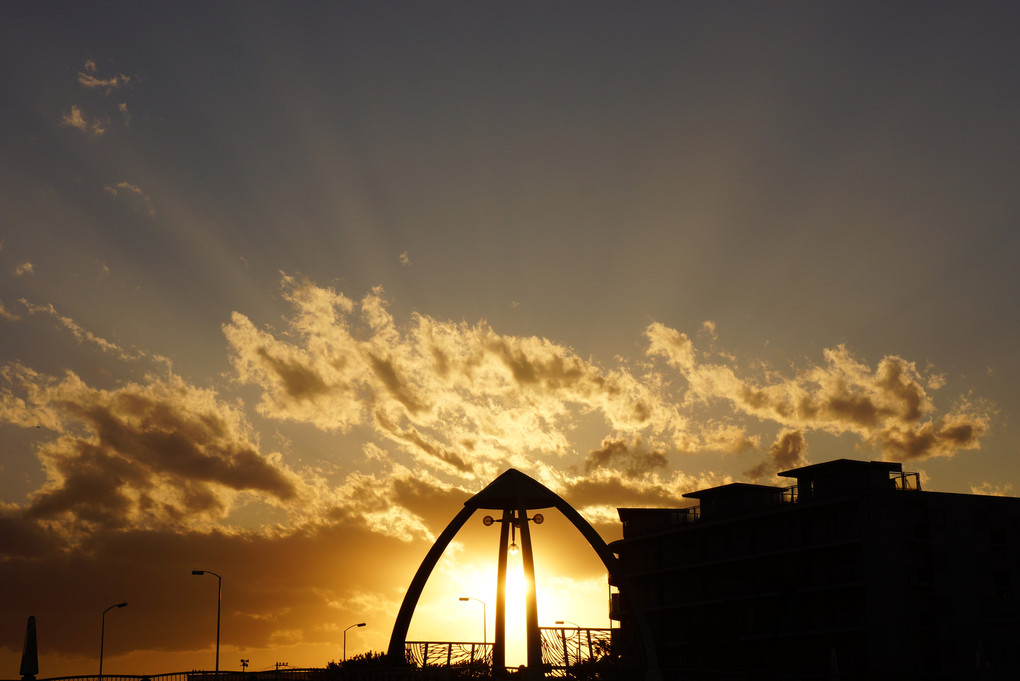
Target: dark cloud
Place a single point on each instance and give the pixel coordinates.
(23, 538)
(932, 439)
(787, 452)
(300, 381)
(543, 365)
(167, 438)
(387, 373)
(894, 378)
(614, 492)
(93, 488)
(620, 457)
(434, 504)
(160, 453)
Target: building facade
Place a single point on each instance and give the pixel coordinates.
(854, 572)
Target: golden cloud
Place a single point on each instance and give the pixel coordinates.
(459, 394)
(173, 476)
(78, 120)
(888, 407)
(89, 79)
(7, 314)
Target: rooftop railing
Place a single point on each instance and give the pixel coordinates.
(907, 481)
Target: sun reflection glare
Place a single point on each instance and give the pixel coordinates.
(516, 592)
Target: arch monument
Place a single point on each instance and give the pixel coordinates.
(514, 494)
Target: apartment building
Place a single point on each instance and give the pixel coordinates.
(853, 572)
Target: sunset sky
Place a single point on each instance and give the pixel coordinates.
(283, 284)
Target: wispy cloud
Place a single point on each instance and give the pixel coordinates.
(83, 335)
(96, 125)
(133, 193)
(993, 489)
(74, 118)
(88, 78)
(7, 314)
(24, 268)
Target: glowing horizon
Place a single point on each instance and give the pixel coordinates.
(283, 285)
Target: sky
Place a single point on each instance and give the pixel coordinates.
(283, 284)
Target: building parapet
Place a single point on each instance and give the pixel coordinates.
(817, 481)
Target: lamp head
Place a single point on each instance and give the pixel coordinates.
(121, 605)
(362, 624)
(464, 598)
(538, 519)
(487, 520)
(198, 572)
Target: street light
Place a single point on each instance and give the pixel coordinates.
(512, 520)
(219, 599)
(578, 628)
(360, 624)
(102, 635)
(488, 520)
(485, 619)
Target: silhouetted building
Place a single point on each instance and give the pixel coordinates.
(852, 573)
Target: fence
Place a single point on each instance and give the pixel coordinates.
(563, 649)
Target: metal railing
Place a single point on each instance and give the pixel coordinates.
(375, 672)
(907, 481)
(563, 648)
(447, 653)
(287, 674)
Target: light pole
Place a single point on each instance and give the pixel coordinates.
(102, 635)
(512, 520)
(485, 619)
(359, 624)
(219, 594)
(578, 628)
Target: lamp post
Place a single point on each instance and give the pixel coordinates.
(514, 519)
(578, 628)
(485, 619)
(219, 595)
(102, 635)
(359, 624)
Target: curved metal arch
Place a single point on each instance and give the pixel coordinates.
(515, 490)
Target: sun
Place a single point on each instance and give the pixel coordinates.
(517, 589)
(459, 601)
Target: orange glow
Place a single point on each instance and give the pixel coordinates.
(571, 585)
(516, 614)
